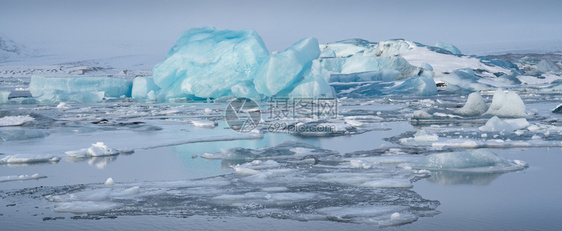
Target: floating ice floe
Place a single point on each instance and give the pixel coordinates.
(204, 123)
(15, 120)
(469, 161)
(21, 177)
(97, 149)
(28, 159)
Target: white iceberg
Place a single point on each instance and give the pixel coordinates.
(97, 149)
(474, 106)
(506, 104)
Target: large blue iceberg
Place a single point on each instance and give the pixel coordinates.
(282, 70)
(207, 62)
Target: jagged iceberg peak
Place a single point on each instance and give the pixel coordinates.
(207, 62)
(282, 70)
(442, 58)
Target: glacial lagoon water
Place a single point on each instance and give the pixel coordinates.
(443, 200)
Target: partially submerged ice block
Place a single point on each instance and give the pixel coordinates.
(506, 104)
(142, 86)
(282, 70)
(78, 89)
(474, 106)
(469, 161)
(207, 62)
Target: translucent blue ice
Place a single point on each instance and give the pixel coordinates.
(142, 86)
(282, 70)
(78, 89)
(208, 62)
(449, 47)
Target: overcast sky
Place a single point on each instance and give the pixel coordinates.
(155, 25)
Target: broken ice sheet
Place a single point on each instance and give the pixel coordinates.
(276, 182)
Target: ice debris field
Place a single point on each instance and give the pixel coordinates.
(430, 110)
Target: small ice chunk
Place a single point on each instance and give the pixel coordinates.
(4, 97)
(474, 106)
(496, 124)
(109, 182)
(395, 216)
(354, 123)
(506, 104)
(63, 106)
(15, 120)
(97, 149)
(420, 114)
(204, 123)
(424, 136)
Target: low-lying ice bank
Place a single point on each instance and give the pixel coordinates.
(78, 89)
(469, 161)
(21, 177)
(23, 159)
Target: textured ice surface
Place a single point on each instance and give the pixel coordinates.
(27, 159)
(289, 181)
(463, 79)
(282, 70)
(314, 84)
(208, 62)
(21, 177)
(506, 104)
(78, 89)
(4, 96)
(496, 124)
(448, 47)
(15, 120)
(469, 161)
(97, 149)
(474, 106)
(142, 86)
